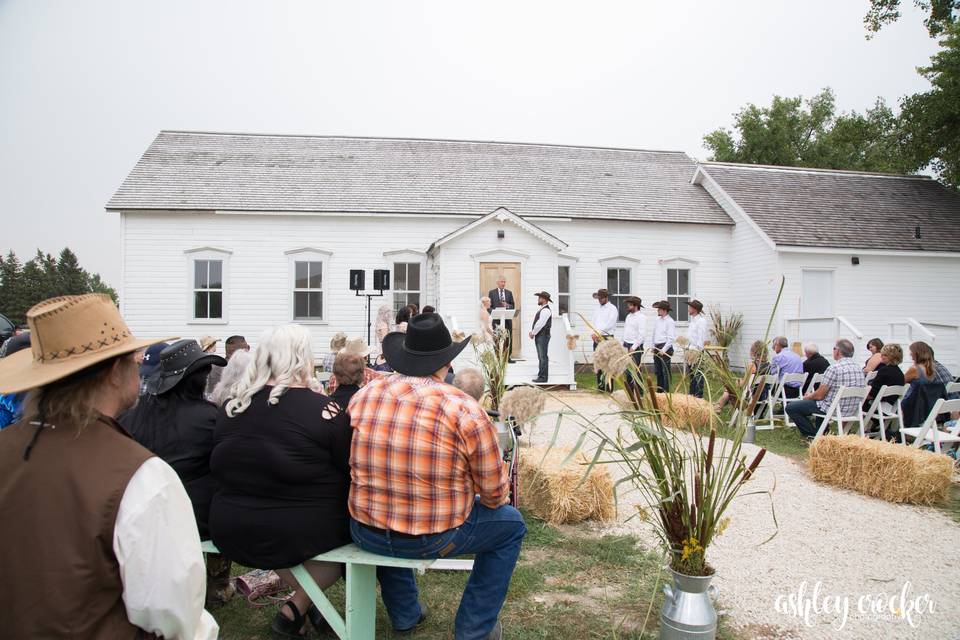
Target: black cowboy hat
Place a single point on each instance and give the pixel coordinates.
(177, 361)
(424, 348)
(544, 294)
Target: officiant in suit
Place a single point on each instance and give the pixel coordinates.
(502, 298)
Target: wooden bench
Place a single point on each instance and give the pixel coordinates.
(360, 619)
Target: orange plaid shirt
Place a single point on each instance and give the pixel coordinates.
(368, 376)
(422, 450)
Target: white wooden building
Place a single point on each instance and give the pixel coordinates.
(228, 234)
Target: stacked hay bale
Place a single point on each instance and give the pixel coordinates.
(682, 411)
(883, 470)
(558, 493)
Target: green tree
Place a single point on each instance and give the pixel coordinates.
(930, 121)
(13, 302)
(940, 14)
(794, 132)
(71, 278)
(97, 285)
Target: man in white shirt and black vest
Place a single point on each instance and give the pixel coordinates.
(634, 331)
(664, 334)
(604, 322)
(697, 337)
(542, 321)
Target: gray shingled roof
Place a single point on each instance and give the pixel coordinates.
(213, 171)
(822, 208)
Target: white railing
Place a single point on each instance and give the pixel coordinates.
(794, 326)
(848, 325)
(943, 337)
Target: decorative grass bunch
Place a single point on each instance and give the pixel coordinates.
(611, 359)
(523, 404)
(725, 328)
(572, 340)
(492, 357)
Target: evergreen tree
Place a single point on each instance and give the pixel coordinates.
(71, 279)
(12, 293)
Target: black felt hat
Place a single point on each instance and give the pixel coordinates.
(177, 361)
(424, 348)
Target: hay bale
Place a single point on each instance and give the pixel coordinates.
(883, 470)
(682, 411)
(552, 493)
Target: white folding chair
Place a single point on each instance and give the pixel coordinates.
(790, 377)
(869, 377)
(953, 387)
(834, 414)
(766, 405)
(888, 405)
(814, 381)
(742, 401)
(928, 432)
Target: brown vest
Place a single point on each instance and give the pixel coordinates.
(57, 513)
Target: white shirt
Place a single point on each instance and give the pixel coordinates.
(635, 328)
(542, 320)
(605, 319)
(157, 546)
(664, 331)
(697, 331)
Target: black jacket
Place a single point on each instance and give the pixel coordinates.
(494, 296)
(887, 374)
(814, 364)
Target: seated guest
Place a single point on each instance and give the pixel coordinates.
(927, 379)
(403, 317)
(175, 422)
(786, 361)
(11, 404)
(99, 539)
(447, 495)
(353, 347)
(429, 309)
(151, 360)
(337, 343)
(349, 372)
(844, 373)
(280, 461)
(471, 382)
(229, 376)
(888, 371)
(757, 365)
(814, 364)
(874, 347)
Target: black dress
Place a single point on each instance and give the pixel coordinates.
(283, 475)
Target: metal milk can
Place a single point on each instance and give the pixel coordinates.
(688, 612)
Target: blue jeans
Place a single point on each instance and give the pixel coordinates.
(801, 412)
(661, 365)
(542, 342)
(494, 535)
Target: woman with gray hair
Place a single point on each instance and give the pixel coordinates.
(281, 460)
(229, 376)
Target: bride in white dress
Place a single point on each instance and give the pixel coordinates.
(486, 322)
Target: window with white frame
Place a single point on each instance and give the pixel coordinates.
(308, 290)
(207, 289)
(563, 289)
(678, 293)
(618, 285)
(407, 283)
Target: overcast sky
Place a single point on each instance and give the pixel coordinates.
(86, 85)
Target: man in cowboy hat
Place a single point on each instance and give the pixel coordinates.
(664, 334)
(116, 547)
(604, 322)
(634, 332)
(697, 339)
(428, 480)
(542, 321)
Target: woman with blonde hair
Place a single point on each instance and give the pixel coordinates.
(486, 322)
(280, 458)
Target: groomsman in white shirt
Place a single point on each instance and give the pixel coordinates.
(697, 336)
(634, 332)
(604, 321)
(664, 335)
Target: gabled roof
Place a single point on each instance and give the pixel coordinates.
(847, 209)
(276, 173)
(503, 215)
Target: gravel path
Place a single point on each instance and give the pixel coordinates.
(858, 548)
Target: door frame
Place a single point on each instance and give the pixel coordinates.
(513, 257)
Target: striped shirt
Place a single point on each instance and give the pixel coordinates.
(845, 373)
(422, 450)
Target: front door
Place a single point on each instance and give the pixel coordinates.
(816, 301)
(489, 274)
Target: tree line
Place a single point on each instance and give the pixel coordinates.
(923, 135)
(42, 277)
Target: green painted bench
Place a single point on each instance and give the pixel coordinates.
(360, 620)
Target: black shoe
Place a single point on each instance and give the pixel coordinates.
(539, 380)
(510, 360)
(319, 623)
(423, 616)
(284, 627)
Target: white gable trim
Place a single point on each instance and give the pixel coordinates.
(726, 202)
(619, 259)
(404, 253)
(502, 214)
(868, 252)
(568, 257)
(208, 249)
(672, 259)
(491, 253)
(314, 250)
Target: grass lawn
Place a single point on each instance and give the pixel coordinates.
(566, 586)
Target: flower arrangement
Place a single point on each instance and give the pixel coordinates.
(457, 335)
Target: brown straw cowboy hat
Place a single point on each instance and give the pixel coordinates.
(544, 294)
(356, 347)
(68, 334)
(696, 304)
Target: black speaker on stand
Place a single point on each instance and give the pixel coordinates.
(357, 279)
(381, 281)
